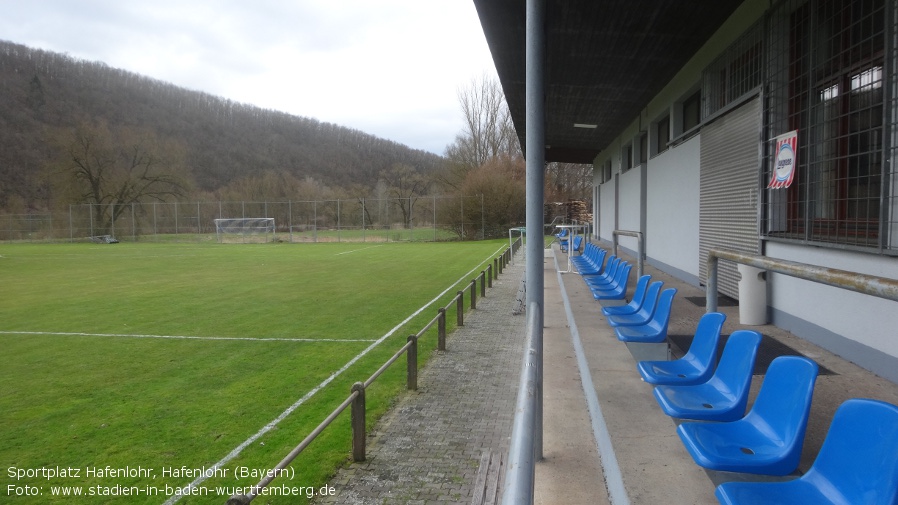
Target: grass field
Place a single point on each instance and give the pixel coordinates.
(127, 366)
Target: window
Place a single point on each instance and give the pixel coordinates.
(828, 84)
(606, 171)
(643, 148)
(626, 157)
(735, 73)
(661, 131)
(692, 112)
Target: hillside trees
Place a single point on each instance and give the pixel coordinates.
(114, 169)
(222, 141)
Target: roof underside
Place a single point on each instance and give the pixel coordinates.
(604, 61)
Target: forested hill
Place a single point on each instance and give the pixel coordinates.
(41, 92)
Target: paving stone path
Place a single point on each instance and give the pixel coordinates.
(426, 450)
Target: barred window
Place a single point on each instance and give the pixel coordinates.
(826, 81)
(735, 73)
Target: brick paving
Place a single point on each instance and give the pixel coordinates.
(426, 450)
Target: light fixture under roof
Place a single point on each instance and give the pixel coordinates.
(583, 125)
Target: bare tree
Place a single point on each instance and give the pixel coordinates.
(488, 130)
(114, 170)
(568, 181)
(404, 185)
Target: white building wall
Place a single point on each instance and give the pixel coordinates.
(826, 314)
(630, 207)
(673, 209)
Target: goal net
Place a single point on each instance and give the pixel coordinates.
(245, 229)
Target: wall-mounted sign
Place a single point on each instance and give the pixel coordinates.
(785, 160)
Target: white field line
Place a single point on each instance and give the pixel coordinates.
(268, 427)
(181, 337)
(357, 250)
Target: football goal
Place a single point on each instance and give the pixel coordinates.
(245, 229)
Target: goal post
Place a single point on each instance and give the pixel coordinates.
(245, 229)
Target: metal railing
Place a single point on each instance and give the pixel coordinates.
(526, 446)
(881, 287)
(356, 399)
(640, 248)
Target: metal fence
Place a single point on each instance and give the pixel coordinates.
(430, 218)
(356, 399)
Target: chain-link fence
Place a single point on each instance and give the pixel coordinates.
(430, 218)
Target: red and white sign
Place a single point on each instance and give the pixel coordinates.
(785, 161)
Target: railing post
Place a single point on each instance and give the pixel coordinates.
(496, 269)
(358, 422)
(460, 308)
(441, 329)
(501, 262)
(489, 276)
(412, 363)
(473, 293)
(711, 285)
(483, 284)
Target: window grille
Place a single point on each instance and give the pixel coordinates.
(735, 73)
(826, 78)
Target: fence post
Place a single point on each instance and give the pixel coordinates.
(412, 364)
(460, 308)
(496, 269)
(489, 276)
(358, 422)
(441, 329)
(473, 293)
(501, 263)
(483, 284)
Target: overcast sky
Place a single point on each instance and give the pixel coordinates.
(391, 68)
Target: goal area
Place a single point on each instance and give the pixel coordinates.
(245, 230)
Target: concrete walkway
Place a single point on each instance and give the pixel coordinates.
(427, 449)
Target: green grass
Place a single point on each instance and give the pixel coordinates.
(106, 394)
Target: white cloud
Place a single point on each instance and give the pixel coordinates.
(386, 67)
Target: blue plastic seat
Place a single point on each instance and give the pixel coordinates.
(644, 314)
(697, 365)
(725, 395)
(591, 261)
(857, 464)
(654, 331)
(617, 290)
(596, 264)
(606, 281)
(768, 440)
(575, 244)
(635, 303)
(607, 273)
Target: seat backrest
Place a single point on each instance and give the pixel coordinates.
(598, 258)
(622, 276)
(702, 353)
(650, 301)
(639, 293)
(784, 400)
(611, 268)
(733, 373)
(859, 457)
(578, 240)
(661, 317)
(783, 406)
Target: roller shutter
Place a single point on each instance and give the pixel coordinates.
(728, 212)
